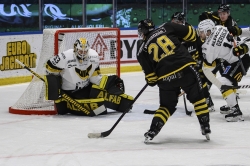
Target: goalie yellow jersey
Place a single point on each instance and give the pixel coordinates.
(162, 53)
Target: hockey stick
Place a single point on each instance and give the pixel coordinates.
(146, 111)
(65, 96)
(107, 133)
(185, 104)
(217, 83)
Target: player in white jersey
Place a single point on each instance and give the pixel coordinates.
(220, 44)
(77, 73)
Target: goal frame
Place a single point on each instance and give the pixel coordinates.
(56, 52)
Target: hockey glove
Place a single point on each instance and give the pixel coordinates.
(205, 15)
(234, 30)
(230, 38)
(120, 84)
(113, 84)
(240, 50)
(151, 79)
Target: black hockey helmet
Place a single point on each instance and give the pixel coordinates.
(224, 8)
(180, 16)
(145, 26)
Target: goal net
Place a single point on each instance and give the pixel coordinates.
(106, 42)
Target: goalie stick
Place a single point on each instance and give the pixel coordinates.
(107, 133)
(65, 96)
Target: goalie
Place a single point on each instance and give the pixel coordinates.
(76, 72)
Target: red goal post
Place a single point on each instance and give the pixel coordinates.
(106, 41)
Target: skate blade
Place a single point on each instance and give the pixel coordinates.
(235, 119)
(147, 141)
(207, 137)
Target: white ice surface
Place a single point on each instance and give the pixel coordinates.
(37, 140)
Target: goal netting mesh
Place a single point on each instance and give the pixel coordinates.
(106, 41)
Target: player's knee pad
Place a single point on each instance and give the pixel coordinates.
(53, 85)
(119, 103)
(113, 84)
(90, 107)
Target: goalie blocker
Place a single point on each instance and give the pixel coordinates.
(94, 99)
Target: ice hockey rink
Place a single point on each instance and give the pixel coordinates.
(38, 140)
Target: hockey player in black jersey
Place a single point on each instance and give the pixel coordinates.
(167, 64)
(220, 17)
(194, 49)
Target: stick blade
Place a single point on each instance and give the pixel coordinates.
(94, 135)
(146, 111)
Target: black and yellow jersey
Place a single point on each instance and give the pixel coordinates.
(216, 19)
(194, 48)
(161, 52)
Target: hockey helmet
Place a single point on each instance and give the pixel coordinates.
(145, 26)
(224, 8)
(81, 47)
(178, 16)
(206, 25)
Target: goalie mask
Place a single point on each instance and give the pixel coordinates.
(81, 47)
(144, 27)
(205, 26)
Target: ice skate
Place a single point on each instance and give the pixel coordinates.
(225, 109)
(235, 115)
(205, 130)
(150, 135)
(205, 127)
(155, 128)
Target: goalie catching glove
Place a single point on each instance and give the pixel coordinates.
(113, 84)
(240, 50)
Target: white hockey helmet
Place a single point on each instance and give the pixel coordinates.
(81, 47)
(206, 25)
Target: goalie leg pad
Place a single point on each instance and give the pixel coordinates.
(53, 85)
(61, 107)
(116, 102)
(125, 104)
